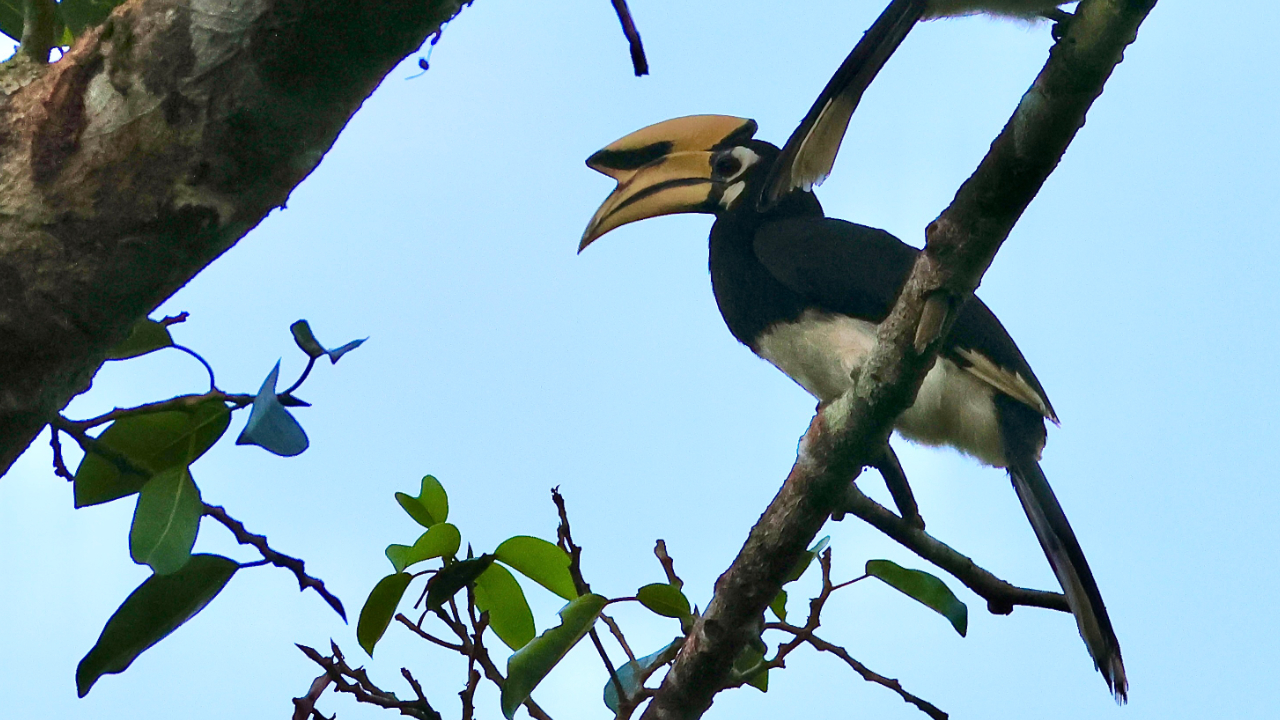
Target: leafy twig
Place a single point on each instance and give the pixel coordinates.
(805, 634)
(181, 402)
(297, 566)
(91, 445)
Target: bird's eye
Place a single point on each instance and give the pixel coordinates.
(726, 166)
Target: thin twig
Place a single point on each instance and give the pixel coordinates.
(867, 674)
(91, 445)
(468, 694)
(565, 537)
(363, 689)
(806, 634)
(297, 566)
(417, 688)
(417, 630)
(174, 319)
(638, 60)
(311, 362)
(304, 708)
(668, 565)
(617, 635)
(213, 382)
(1001, 596)
(182, 402)
(624, 700)
(59, 465)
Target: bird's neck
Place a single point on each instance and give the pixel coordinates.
(749, 297)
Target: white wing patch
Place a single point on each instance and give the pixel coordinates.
(1009, 383)
(817, 153)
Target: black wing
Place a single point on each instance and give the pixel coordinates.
(842, 267)
(811, 150)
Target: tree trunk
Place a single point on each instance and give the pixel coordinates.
(157, 142)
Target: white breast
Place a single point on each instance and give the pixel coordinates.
(821, 352)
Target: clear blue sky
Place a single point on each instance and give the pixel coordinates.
(1140, 285)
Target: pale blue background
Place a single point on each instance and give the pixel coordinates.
(443, 225)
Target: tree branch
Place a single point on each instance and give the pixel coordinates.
(1001, 596)
(845, 434)
(293, 564)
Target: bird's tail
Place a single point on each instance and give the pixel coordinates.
(1069, 564)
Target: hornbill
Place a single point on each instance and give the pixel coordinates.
(806, 293)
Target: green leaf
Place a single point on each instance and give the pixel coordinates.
(527, 667)
(154, 442)
(336, 354)
(147, 336)
(779, 605)
(378, 610)
(750, 657)
(664, 599)
(805, 560)
(11, 18)
(165, 521)
(633, 674)
(430, 507)
(81, 15)
(924, 588)
(540, 561)
(270, 426)
(498, 593)
(155, 609)
(306, 340)
(440, 540)
(446, 583)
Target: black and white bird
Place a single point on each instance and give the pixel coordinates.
(807, 292)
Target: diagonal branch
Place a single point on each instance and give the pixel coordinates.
(845, 434)
(293, 564)
(1001, 596)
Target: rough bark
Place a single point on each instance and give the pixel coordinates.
(842, 437)
(158, 141)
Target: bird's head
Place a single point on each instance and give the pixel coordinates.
(696, 164)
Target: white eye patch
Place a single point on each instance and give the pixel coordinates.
(729, 166)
